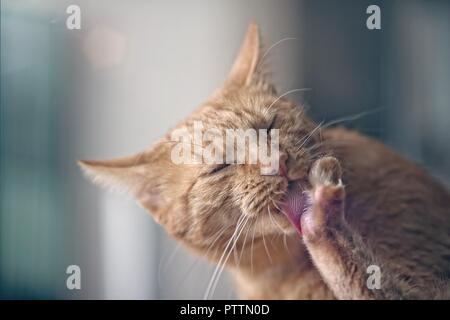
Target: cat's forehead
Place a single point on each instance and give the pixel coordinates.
(238, 111)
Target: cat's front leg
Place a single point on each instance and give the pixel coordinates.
(339, 252)
(336, 250)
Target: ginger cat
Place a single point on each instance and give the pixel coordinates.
(343, 202)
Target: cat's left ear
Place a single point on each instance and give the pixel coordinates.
(135, 175)
(247, 69)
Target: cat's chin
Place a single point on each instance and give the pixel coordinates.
(294, 204)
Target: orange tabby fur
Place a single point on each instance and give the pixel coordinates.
(390, 213)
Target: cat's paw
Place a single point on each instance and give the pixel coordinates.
(325, 171)
(326, 200)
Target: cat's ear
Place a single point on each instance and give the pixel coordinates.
(134, 175)
(248, 68)
(248, 58)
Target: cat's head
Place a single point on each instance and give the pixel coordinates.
(205, 204)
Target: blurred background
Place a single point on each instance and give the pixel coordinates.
(133, 70)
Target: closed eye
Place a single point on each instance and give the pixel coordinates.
(272, 124)
(219, 168)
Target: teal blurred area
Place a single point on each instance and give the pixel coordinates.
(135, 69)
(36, 241)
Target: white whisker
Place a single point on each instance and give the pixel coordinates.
(228, 255)
(305, 140)
(273, 220)
(265, 247)
(285, 94)
(251, 250)
(210, 284)
(273, 46)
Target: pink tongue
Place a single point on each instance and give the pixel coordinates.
(293, 205)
